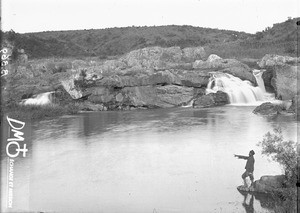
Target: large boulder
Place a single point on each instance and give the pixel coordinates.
(153, 57)
(159, 58)
(193, 78)
(212, 99)
(269, 184)
(285, 81)
(142, 96)
(159, 96)
(70, 87)
(231, 66)
(268, 109)
(271, 60)
(191, 54)
(281, 74)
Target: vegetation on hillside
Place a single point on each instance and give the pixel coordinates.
(280, 39)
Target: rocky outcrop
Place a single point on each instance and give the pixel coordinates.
(269, 184)
(271, 60)
(231, 66)
(285, 82)
(268, 109)
(281, 74)
(148, 77)
(69, 86)
(162, 58)
(191, 54)
(210, 100)
(142, 96)
(193, 78)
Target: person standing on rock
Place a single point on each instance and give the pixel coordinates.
(249, 167)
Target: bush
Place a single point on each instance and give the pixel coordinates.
(285, 153)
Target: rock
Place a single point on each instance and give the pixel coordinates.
(106, 96)
(159, 96)
(266, 185)
(191, 54)
(113, 65)
(193, 78)
(210, 100)
(269, 184)
(267, 78)
(88, 106)
(152, 57)
(242, 72)
(159, 58)
(164, 77)
(271, 60)
(171, 95)
(119, 97)
(213, 57)
(231, 66)
(281, 74)
(285, 82)
(69, 86)
(268, 109)
(245, 188)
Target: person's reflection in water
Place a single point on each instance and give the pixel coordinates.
(248, 203)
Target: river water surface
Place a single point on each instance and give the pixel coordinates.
(164, 160)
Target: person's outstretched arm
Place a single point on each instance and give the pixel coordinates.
(241, 157)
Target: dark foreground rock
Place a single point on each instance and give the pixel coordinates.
(270, 184)
(210, 100)
(268, 109)
(267, 184)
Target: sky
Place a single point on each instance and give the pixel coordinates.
(249, 16)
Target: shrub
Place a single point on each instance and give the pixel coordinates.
(285, 153)
(281, 151)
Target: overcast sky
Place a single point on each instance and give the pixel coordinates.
(241, 15)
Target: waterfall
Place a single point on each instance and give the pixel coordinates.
(239, 91)
(40, 99)
(260, 82)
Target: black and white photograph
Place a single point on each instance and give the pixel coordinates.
(150, 106)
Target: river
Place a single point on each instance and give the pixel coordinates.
(162, 160)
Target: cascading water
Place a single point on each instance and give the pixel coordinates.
(260, 82)
(239, 91)
(40, 99)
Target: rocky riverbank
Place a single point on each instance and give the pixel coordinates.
(152, 77)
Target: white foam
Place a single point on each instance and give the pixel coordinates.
(40, 99)
(241, 93)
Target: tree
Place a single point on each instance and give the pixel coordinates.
(283, 152)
